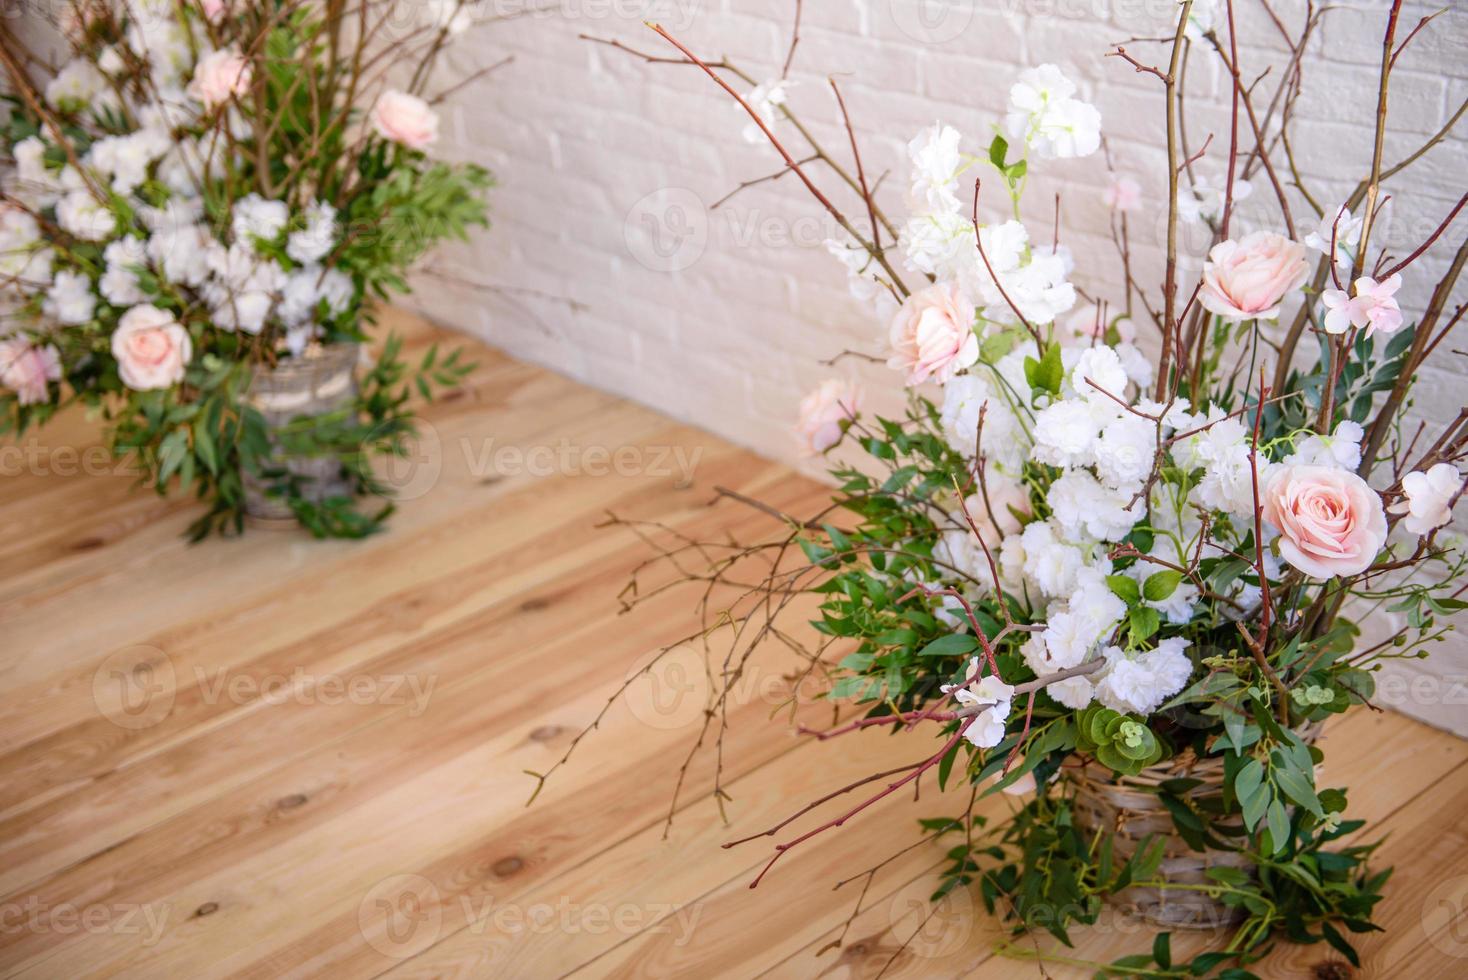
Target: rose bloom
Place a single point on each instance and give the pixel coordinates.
(151, 347)
(26, 369)
(1247, 279)
(219, 76)
(822, 413)
(933, 335)
(1330, 522)
(405, 119)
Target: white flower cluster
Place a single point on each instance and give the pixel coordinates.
(164, 248)
(991, 696)
(938, 240)
(1045, 115)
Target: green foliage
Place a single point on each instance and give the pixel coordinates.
(1122, 743)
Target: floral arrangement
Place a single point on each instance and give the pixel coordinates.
(208, 190)
(1113, 546)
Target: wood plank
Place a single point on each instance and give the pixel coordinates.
(507, 603)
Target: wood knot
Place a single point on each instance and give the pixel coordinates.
(532, 605)
(208, 908)
(1331, 970)
(89, 544)
(291, 802)
(545, 733)
(505, 867)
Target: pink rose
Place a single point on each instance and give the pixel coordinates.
(405, 119)
(1247, 279)
(26, 369)
(219, 76)
(933, 335)
(1330, 522)
(823, 412)
(151, 347)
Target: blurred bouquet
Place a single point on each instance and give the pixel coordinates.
(198, 210)
(1117, 582)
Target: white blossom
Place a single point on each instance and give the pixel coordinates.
(1428, 497)
(80, 83)
(940, 244)
(1065, 434)
(861, 271)
(1203, 201)
(1044, 116)
(1345, 228)
(119, 283)
(1073, 692)
(1098, 374)
(1138, 683)
(992, 695)
(764, 99)
(1049, 562)
(25, 261)
(338, 290)
(1341, 449)
(936, 162)
(84, 216)
(33, 183)
(1003, 443)
(126, 159)
(1229, 479)
(181, 253)
(256, 217)
(70, 299)
(1126, 450)
(311, 243)
(1082, 507)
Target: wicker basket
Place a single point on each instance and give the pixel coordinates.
(319, 383)
(1127, 808)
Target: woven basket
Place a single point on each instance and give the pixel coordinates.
(1127, 808)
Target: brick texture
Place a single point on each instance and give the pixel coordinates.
(609, 263)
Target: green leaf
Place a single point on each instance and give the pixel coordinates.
(1299, 789)
(1162, 950)
(1277, 820)
(1160, 585)
(1126, 588)
(952, 645)
(1250, 791)
(1050, 372)
(1338, 941)
(998, 149)
(1144, 622)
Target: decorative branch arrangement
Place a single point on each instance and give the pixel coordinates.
(207, 192)
(1161, 561)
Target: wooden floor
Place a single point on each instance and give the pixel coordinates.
(279, 757)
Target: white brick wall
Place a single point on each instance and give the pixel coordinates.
(626, 280)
